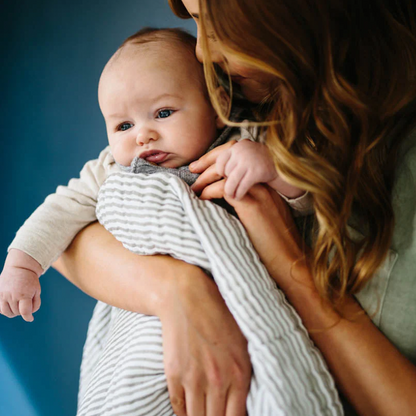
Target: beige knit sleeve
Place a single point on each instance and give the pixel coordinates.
(54, 224)
(302, 205)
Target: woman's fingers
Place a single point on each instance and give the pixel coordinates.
(236, 402)
(209, 158)
(209, 176)
(177, 397)
(214, 191)
(195, 402)
(204, 349)
(215, 402)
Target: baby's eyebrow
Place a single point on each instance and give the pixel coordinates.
(116, 115)
(165, 95)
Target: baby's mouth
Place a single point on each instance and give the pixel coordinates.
(154, 156)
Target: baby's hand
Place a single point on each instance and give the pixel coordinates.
(19, 286)
(246, 164)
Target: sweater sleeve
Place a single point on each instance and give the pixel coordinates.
(302, 205)
(55, 223)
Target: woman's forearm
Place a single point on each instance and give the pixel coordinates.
(100, 266)
(372, 373)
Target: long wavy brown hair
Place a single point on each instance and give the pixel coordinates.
(344, 100)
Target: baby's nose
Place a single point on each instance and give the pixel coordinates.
(144, 136)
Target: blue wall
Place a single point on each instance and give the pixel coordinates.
(52, 55)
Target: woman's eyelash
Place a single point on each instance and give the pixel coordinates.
(211, 36)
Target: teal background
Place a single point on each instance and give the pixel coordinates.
(52, 54)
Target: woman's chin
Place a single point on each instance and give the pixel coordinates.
(253, 93)
(253, 96)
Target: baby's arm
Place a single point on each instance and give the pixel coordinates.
(46, 234)
(248, 163)
(19, 286)
(54, 224)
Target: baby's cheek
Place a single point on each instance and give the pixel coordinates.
(187, 149)
(121, 154)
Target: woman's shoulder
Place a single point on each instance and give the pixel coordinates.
(397, 280)
(406, 157)
(404, 194)
(390, 296)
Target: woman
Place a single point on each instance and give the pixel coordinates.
(340, 110)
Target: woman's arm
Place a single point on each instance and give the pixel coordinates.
(100, 266)
(372, 373)
(205, 354)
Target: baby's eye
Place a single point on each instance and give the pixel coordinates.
(164, 113)
(124, 126)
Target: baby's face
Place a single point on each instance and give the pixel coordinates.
(155, 107)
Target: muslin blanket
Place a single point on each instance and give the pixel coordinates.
(122, 369)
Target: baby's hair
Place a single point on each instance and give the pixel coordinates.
(173, 36)
(151, 34)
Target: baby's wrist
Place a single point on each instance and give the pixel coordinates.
(289, 191)
(19, 259)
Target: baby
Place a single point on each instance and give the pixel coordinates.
(157, 111)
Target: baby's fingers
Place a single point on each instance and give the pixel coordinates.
(222, 160)
(5, 309)
(25, 309)
(233, 181)
(206, 178)
(36, 302)
(14, 306)
(209, 159)
(244, 185)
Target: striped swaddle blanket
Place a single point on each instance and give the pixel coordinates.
(122, 369)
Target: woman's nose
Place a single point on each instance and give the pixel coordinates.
(216, 56)
(145, 135)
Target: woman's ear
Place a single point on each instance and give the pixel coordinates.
(224, 101)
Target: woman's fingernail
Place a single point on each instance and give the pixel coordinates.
(192, 166)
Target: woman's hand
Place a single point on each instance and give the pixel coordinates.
(359, 356)
(206, 360)
(207, 365)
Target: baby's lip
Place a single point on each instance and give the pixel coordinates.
(154, 156)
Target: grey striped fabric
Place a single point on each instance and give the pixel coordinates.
(122, 368)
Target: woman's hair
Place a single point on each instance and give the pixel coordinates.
(344, 98)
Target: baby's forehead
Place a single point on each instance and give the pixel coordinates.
(171, 52)
(176, 58)
(169, 59)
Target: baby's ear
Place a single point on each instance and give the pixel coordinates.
(224, 101)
